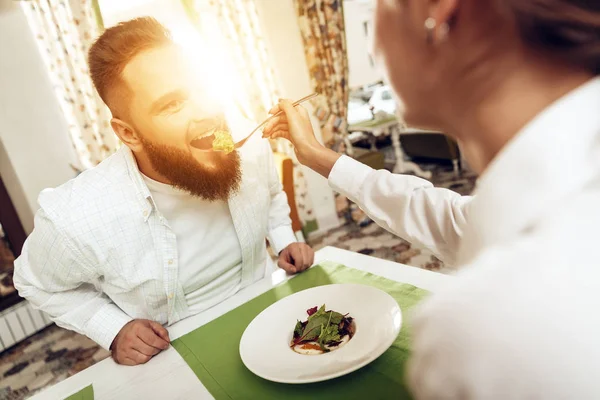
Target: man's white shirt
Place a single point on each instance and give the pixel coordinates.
(102, 253)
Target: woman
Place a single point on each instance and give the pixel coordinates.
(516, 83)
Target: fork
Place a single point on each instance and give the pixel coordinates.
(302, 100)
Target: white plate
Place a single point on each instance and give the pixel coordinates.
(265, 344)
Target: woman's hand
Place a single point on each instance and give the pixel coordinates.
(294, 125)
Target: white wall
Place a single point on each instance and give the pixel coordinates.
(282, 34)
(36, 149)
(356, 14)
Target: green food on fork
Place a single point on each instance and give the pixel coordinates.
(226, 144)
(223, 142)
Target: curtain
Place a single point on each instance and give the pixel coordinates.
(64, 31)
(235, 26)
(323, 33)
(322, 28)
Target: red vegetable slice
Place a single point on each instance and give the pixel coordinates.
(311, 311)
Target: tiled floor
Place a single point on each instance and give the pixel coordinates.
(44, 360)
(6, 267)
(55, 354)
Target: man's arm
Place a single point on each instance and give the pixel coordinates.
(57, 279)
(405, 205)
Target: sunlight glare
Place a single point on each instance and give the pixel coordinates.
(215, 69)
(212, 63)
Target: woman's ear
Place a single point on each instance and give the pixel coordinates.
(441, 16)
(126, 133)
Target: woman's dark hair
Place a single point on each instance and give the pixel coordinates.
(566, 29)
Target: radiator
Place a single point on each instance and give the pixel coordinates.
(19, 322)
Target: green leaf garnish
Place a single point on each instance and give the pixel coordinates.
(336, 317)
(329, 333)
(322, 327)
(298, 329)
(320, 313)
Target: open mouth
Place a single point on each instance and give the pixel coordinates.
(204, 142)
(214, 140)
(211, 134)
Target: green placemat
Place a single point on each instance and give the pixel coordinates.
(212, 351)
(86, 393)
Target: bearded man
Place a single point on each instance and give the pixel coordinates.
(161, 230)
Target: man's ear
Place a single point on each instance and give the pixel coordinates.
(126, 133)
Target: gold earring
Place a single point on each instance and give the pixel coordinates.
(430, 24)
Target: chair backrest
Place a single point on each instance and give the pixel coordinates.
(285, 168)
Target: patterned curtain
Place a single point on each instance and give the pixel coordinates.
(237, 23)
(65, 30)
(324, 37)
(323, 34)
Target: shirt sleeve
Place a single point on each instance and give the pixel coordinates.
(58, 280)
(405, 205)
(280, 232)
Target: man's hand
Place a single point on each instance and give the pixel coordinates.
(295, 258)
(139, 341)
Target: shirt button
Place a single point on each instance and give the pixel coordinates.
(170, 296)
(170, 261)
(145, 213)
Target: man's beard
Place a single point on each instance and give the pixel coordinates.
(185, 173)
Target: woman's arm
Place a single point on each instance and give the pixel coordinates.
(405, 205)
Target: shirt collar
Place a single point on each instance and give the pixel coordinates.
(552, 157)
(146, 201)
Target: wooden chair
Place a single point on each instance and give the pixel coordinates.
(285, 168)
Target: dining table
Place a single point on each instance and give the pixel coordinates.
(167, 376)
